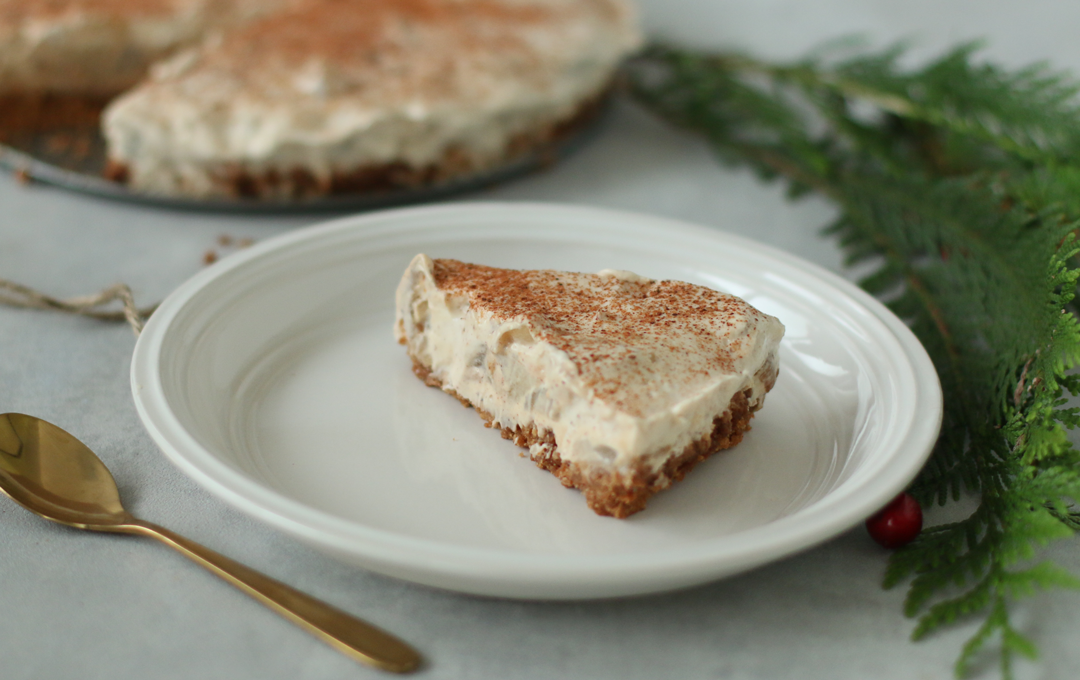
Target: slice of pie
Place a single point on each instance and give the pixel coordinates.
(339, 96)
(615, 383)
(62, 60)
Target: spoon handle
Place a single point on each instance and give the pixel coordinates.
(349, 635)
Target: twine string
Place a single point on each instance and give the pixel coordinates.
(18, 295)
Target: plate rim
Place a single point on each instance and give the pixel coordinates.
(384, 549)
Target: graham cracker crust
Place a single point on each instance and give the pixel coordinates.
(614, 494)
(34, 112)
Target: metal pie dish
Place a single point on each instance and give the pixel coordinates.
(74, 158)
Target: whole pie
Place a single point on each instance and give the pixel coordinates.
(331, 96)
(298, 98)
(616, 383)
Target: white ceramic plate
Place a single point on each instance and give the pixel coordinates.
(273, 380)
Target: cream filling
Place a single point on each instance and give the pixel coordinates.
(177, 144)
(86, 54)
(89, 52)
(180, 129)
(503, 369)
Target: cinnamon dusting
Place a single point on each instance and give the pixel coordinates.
(347, 31)
(13, 11)
(619, 333)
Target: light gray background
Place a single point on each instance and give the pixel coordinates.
(79, 605)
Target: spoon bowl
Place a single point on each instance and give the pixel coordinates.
(49, 472)
(53, 474)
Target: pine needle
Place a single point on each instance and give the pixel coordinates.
(960, 181)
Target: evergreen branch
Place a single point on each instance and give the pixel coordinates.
(959, 181)
(1027, 113)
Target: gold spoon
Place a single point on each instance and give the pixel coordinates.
(49, 472)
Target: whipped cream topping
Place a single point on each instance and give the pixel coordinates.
(625, 371)
(101, 47)
(330, 86)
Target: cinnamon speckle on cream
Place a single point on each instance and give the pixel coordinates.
(624, 371)
(607, 324)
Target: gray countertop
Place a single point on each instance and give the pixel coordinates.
(80, 605)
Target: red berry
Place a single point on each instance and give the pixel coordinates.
(898, 523)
